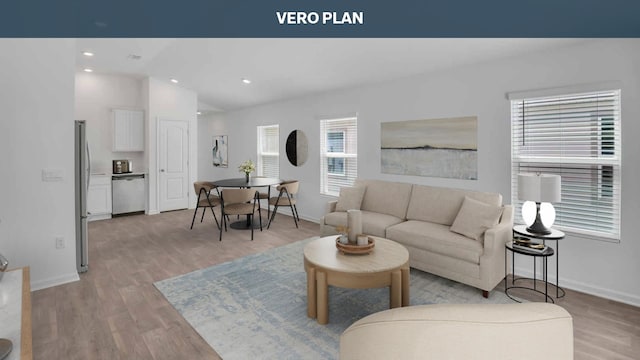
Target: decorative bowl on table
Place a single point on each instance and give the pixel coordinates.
(353, 249)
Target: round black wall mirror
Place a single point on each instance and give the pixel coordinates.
(297, 148)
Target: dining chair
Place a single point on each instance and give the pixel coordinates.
(286, 197)
(205, 200)
(265, 196)
(239, 202)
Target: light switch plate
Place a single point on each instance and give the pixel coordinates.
(49, 175)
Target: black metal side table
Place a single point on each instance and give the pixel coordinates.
(545, 254)
(556, 235)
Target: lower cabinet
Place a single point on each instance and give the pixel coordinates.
(99, 198)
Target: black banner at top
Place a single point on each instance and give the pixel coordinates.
(319, 18)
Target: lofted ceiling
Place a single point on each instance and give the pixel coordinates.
(288, 68)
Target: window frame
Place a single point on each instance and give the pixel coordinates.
(604, 163)
(261, 155)
(337, 154)
(349, 154)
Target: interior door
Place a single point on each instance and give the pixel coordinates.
(173, 165)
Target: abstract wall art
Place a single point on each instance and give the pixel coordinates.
(219, 151)
(445, 148)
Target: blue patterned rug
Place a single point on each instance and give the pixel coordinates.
(255, 307)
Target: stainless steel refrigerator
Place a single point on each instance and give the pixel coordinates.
(82, 172)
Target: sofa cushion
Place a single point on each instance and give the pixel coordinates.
(350, 198)
(475, 217)
(372, 223)
(436, 238)
(386, 197)
(441, 205)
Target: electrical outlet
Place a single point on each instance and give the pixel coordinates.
(59, 242)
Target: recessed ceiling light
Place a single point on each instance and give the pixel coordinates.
(199, 113)
(174, 81)
(88, 53)
(88, 70)
(246, 81)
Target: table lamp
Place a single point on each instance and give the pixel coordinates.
(538, 191)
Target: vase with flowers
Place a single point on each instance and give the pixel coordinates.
(247, 168)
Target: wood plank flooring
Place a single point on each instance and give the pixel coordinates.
(115, 312)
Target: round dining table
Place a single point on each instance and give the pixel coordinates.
(243, 183)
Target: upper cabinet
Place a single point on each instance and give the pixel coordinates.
(128, 130)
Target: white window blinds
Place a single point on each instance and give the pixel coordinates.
(338, 154)
(268, 151)
(575, 136)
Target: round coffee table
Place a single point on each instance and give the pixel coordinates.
(386, 265)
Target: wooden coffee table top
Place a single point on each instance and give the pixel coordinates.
(386, 255)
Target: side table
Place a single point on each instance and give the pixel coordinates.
(556, 235)
(544, 255)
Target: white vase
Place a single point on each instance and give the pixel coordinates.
(354, 223)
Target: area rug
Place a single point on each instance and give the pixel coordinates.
(255, 307)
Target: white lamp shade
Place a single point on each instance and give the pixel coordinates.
(539, 187)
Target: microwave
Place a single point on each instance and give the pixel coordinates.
(121, 166)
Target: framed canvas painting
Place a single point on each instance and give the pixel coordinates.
(445, 148)
(219, 151)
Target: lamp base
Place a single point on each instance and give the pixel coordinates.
(5, 348)
(538, 227)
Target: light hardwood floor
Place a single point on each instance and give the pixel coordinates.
(115, 312)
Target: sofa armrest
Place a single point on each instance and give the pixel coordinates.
(331, 207)
(497, 236)
(436, 331)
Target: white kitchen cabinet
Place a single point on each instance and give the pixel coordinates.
(128, 130)
(99, 198)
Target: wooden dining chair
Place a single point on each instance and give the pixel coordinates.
(205, 200)
(286, 197)
(239, 202)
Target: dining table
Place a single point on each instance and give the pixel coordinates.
(243, 183)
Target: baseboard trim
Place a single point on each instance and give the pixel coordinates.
(626, 298)
(54, 281)
(99, 217)
(153, 212)
(287, 212)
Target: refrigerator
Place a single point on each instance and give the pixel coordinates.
(82, 172)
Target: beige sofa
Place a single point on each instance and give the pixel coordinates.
(421, 217)
(486, 331)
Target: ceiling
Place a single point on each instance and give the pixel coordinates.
(288, 68)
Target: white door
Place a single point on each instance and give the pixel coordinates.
(173, 156)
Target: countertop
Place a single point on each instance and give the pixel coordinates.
(117, 175)
(135, 173)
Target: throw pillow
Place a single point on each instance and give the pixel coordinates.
(350, 198)
(475, 217)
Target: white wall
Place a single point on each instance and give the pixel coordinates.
(603, 268)
(165, 100)
(96, 96)
(37, 132)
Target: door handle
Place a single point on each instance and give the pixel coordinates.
(161, 170)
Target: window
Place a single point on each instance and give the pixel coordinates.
(338, 154)
(335, 144)
(268, 151)
(575, 136)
